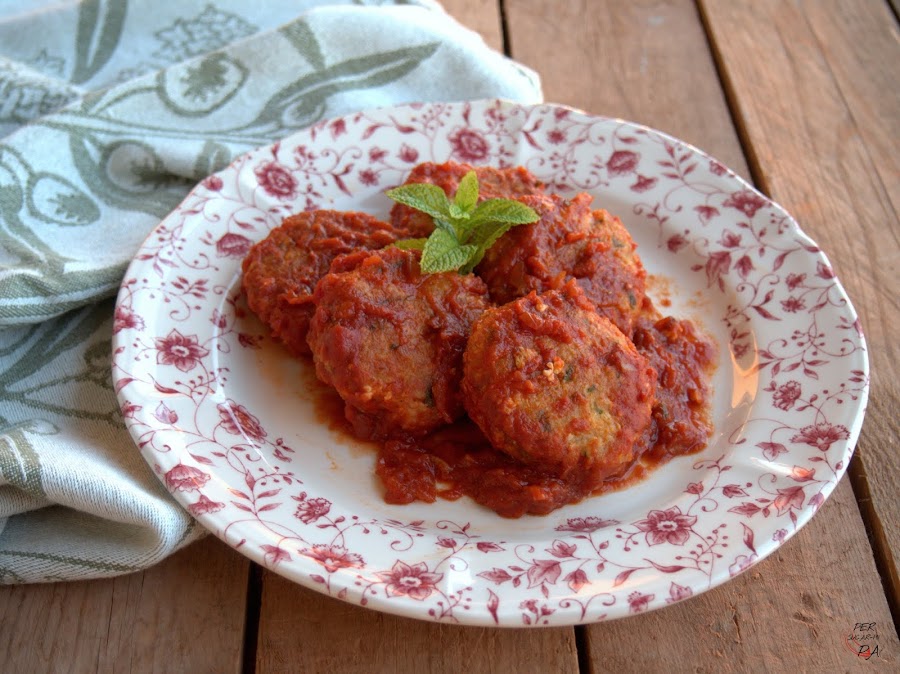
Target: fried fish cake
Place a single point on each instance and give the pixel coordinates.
(281, 271)
(554, 385)
(390, 340)
(570, 241)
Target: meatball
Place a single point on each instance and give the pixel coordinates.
(493, 183)
(390, 340)
(281, 271)
(554, 385)
(569, 241)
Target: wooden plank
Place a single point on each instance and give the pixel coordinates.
(184, 615)
(828, 149)
(484, 18)
(860, 43)
(650, 62)
(303, 631)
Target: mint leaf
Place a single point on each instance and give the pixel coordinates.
(410, 244)
(498, 210)
(424, 197)
(488, 233)
(485, 237)
(458, 213)
(467, 193)
(446, 224)
(503, 210)
(439, 242)
(442, 252)
(463, 228)
(451, 260)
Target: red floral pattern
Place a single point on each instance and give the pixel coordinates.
(182, 351)
(333, 557)
(185, 478)
(413, 581)
(309, 510)
(793, 304)
(556, 136)
(204, 506)
(643, 183)
(274, 555)
(821, 435)
(786, 395)
(165, 415)
(667, 526)
(125, 319)
(794, 281)
(469, 145)
(233, 245)
(408, 154)
(276, 180)
(622, 162)
(236, 420)
(193, 371)
(746, 201)
(741, 564)
(213, 183)
(678, 593)
(368, 177)
(638, 601)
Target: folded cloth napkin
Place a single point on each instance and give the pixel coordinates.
(109, 112)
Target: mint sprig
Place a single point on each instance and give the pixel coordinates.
(463, 228)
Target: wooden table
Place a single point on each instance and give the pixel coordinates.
(802, 97)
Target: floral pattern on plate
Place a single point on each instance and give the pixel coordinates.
(230, 424)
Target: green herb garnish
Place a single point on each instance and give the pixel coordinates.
(463, 228)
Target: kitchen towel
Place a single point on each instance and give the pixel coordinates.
(110, 111)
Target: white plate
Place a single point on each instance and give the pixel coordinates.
(226, 419)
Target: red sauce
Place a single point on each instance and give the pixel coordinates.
(457, 460)
(683, 359)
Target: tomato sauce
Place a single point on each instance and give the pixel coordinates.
(457, 460)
